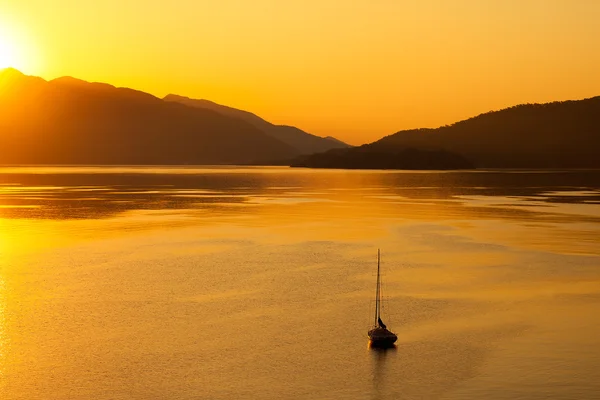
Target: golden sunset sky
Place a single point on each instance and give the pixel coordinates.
(357, 70)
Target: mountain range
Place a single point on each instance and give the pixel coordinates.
(70, 121)
(304, 142)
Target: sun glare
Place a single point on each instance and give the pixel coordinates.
(7, 54)
(16, 49)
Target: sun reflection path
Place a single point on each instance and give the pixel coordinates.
(378, 358)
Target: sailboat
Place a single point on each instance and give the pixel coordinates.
(379, 335)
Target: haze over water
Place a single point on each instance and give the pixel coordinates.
(222, 283)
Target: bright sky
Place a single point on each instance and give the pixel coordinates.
(354, 69)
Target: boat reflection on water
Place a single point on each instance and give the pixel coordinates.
(380, 359)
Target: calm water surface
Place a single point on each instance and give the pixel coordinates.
(258, 283)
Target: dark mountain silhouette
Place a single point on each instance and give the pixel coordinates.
(69, 121)
(553, 135)
(303, 142)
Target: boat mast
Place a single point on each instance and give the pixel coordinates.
(377, 292)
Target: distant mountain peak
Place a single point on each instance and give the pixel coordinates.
(69, 80)
(11, 74)
(11, 71)
(13, 77)
(303, 142)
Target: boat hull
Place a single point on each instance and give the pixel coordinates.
(381, 337)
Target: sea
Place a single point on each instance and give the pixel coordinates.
(225, 282)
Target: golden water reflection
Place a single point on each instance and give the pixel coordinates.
(226, 283)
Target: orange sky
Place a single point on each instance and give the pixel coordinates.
(357, 70)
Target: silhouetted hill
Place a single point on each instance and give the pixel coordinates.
(70, 121)
(303, 142)
(553, 135)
